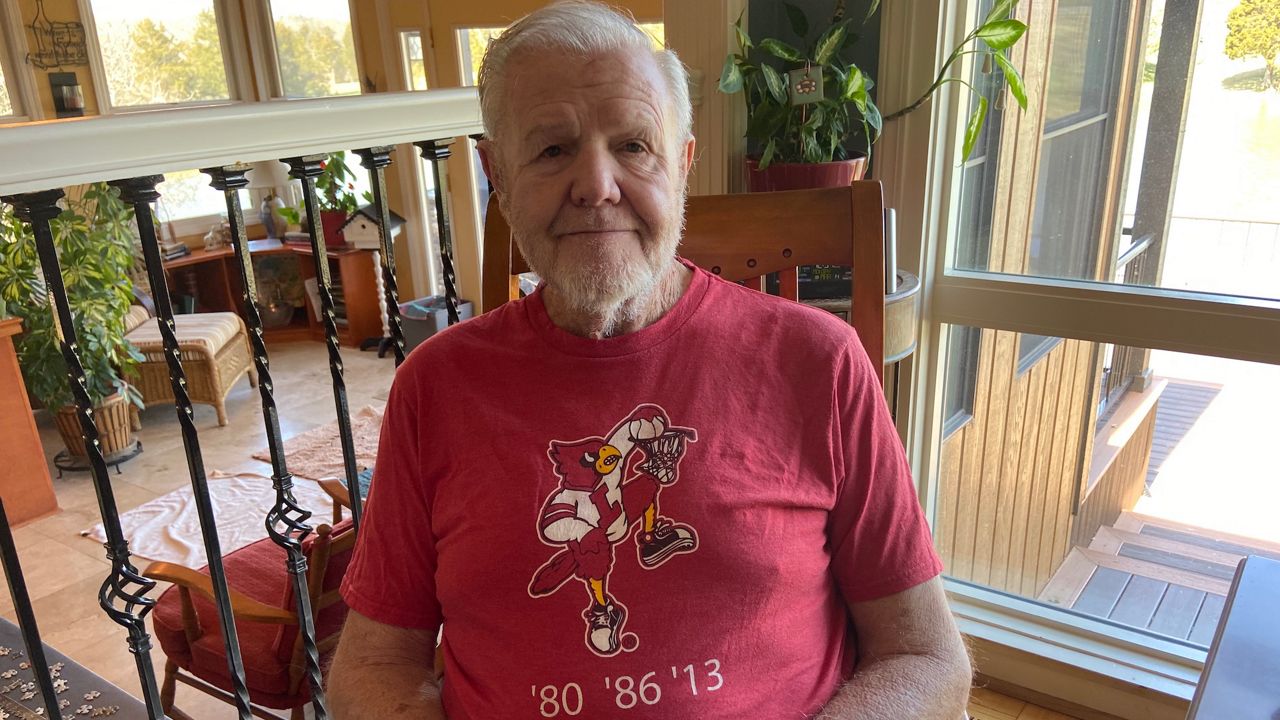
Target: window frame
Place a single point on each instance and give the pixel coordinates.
(270, 66)
(925, 188)
(224, 14)
(18, 78)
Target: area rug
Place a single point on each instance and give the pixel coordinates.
(168, 528)
(317, 453)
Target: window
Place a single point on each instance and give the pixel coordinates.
(315, 48)
(964, 344)
(414, 62)
(189, 206)
(6, 97)
(9, 104)
(156, 52)
(1101, 412)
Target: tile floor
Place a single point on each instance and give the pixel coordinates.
(64, 570)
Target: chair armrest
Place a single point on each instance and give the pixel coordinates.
(243, 607)
(337, 491)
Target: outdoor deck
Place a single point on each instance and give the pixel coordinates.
(1152, 568)
(1155, 574)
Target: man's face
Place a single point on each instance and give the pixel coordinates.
(590, 176)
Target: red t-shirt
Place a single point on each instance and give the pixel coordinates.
(666, 524)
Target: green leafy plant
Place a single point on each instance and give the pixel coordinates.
(818, 131)
(95, 239)
(335, 189)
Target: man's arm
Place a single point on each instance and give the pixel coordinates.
(383, 671)
(912, 662)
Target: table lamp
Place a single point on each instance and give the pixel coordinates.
(271, 174)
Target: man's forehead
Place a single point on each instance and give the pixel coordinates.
(545, 86)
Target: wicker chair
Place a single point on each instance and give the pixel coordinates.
(214, 349)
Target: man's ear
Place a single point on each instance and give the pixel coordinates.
(689, 149)
(489, 161)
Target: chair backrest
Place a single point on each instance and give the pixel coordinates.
(328, 551)
(744, 237)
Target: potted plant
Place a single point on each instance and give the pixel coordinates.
(95, 240)
(335, 194)
(803, 105)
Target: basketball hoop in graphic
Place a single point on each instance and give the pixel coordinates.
(662, 454)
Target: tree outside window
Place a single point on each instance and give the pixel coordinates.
(158, 53)
(315, 48)
(6, 105)
(1253, 30)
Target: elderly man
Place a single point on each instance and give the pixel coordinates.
(640, 491)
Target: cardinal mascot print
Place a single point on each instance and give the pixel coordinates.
(608, 487)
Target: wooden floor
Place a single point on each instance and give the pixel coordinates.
(987, 705)
(1154, 574)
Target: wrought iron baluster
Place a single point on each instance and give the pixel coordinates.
(376, 160)
(286, 521)
(307, 169)
(437, 151)
(123, 595)
(140, 192)
(26, 616)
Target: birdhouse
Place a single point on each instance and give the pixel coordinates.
(362, 231)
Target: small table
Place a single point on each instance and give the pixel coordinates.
(1241, 679)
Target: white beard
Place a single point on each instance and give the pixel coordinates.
(612, 286)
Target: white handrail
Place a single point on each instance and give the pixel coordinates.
(55, 154)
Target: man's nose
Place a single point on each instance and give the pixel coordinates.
(594, 179)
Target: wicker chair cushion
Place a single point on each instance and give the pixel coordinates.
(135, 317)
(208, 332)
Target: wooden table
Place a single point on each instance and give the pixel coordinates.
(25, 484)
(1241, 679)
(213, 277)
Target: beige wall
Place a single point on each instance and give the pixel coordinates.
(58, 11)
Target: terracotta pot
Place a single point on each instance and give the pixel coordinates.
(332, 222)
(804, 176)
(115, 426)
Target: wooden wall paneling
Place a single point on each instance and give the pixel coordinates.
(1030, 127)
(1069, 472)
(1061, 423)
(1005, 163)
(1120, 486)
(1076, 464)
(971, 471)
(992, 453)
(944, 525)
(1059, 482)
(1034, 381)
(1003, 539)
(1039, 474)
(1133, 51)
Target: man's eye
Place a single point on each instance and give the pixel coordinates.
(634, 147)
(553, 151)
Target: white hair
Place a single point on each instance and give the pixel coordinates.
(586, 28)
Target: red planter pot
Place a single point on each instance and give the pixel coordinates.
(332, 221)
(804, 176)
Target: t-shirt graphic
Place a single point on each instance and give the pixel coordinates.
(607, 486)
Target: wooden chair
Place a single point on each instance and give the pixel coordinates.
(185, 621)
(744, 237)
